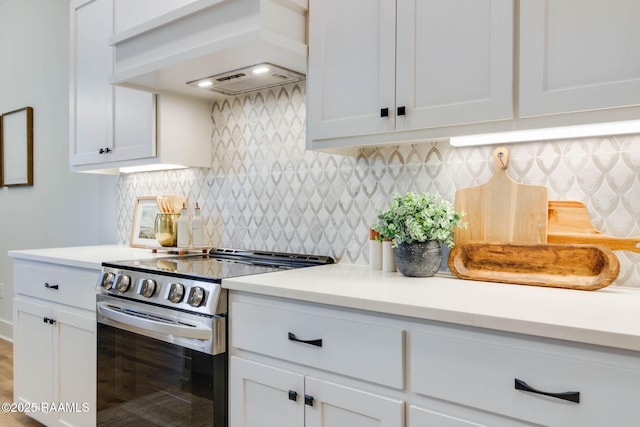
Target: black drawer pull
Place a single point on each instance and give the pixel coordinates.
(317, 343)
(401, 111)
(48, 286)
(293, 395)
(384, 112)
(571, 396)
(308, 400)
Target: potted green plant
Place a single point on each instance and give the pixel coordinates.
(417, 225)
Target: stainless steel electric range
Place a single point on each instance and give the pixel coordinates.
(162, 335)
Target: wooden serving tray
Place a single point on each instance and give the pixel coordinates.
(569, 222)
(570, 266)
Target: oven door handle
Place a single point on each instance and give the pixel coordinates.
(196, 332)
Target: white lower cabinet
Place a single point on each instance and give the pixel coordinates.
(422, 417)
(263, 395)
(54, 349)
(541, 382)
(414, 373)
(337, 405)
(302, 365)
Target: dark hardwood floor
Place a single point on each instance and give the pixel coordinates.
(10, 419)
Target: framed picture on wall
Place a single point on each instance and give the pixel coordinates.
(144, 217)
(16, 147)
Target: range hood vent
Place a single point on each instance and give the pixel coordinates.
(209, 38)
(248, 79)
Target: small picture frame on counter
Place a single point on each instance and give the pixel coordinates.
(144, 217)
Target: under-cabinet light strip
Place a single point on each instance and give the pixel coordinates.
(562, 132)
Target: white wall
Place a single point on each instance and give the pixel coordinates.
(61, 209)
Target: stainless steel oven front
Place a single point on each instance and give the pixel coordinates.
(161, 352)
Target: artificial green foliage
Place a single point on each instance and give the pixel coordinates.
(418, 218)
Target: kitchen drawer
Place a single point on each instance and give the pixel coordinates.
(349, 345)
(480, 370)
(65, 285)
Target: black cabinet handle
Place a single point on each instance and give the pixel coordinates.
(107, 150)
(401, 111)
(101, 151)
(293, 395)
(571, 396)
(317, 343)
(48, 320)
(48, 286)
(308, 400)
(384, 112)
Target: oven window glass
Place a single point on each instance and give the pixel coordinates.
(146, 382)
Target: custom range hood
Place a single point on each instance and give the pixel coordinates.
(214, 48)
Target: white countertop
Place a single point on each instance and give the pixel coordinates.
(608, 316)
(84, 256)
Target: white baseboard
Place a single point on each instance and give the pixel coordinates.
(6, 330)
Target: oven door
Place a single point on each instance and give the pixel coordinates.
(149, 372)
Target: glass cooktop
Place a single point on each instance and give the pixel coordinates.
(221, 264)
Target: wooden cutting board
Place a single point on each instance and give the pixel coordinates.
(569, 222)
(502, 210)
(585, 267)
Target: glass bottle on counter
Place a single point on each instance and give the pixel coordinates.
(184, 228)
(197, 228)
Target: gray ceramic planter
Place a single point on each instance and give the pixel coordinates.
(420, 259)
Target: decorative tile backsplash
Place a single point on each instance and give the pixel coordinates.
(265, 191)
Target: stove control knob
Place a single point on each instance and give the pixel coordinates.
(107, 280)
(176, 292)
(147, 288)
(196, 296)
(122, 283)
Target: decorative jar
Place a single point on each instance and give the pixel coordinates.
(166, 229)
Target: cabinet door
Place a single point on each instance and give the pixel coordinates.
(74, 351)
(351, 75)
(262, 396)
(134, 126)
(32, 355)
(578, 55)
(420, 417)
(335, 405)
(91, 101)
(454, 62)
(107, 123)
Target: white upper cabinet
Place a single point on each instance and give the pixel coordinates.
(352, 72)
(390, 71)
(578, 55)
(454, 62)
(387, 65)
(111, 127)
(107, 123)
